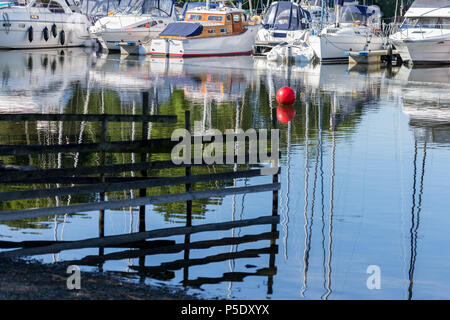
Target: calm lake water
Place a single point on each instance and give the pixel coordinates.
(365, 168)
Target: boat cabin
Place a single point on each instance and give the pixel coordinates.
(53, 6)
(361, 15)
(286, 15)
(201, 23)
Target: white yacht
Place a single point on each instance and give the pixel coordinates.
(284, 21)
(138, 23)
(424, 36)
(357, 29)
(43, 24)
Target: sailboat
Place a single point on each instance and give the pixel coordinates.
(357, 28)
(284, 21)
(43, 24)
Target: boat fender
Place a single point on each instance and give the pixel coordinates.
(54, 33)
(30, 34)
(62, 37)
(45, 33)
(7, 24)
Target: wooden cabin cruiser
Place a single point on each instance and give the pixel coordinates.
(357, 29)
(424, 36)
(221, 31)
(43, 24)
(285, 21)
(140, 22)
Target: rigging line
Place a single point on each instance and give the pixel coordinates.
(305, 208)
(83, 123)
(419, 209)
(322, 196)
(399, 150)
(313, 200)
(411, 230)
(231, 262)
(285, 221)
(330, 234)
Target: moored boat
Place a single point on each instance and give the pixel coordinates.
(138, 23)
(284, 21)
(43, 24)
(424, 36)
(358, 28)
(205, 31)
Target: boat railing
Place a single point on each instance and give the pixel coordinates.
(410, 29)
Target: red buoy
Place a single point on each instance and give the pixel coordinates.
(285, 113)
(285, 96)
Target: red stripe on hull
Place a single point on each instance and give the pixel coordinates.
(182, 55)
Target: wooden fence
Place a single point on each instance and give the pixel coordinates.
(92, 180)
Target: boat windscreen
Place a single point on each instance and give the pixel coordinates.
(160, 8)
(284, 15)
(363, 14)
(182, 29)
(190, 5)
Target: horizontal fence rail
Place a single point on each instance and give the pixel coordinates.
(161, 145)
(132, 237)
(10, 173)
(87, 117)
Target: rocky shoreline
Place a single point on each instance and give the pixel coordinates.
(33, 280)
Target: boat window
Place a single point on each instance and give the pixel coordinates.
(211, 31)
(270, 16)
(215, 18)
(283, 17)
(223, 30)
(427, 22)
(41, 3)
(158, 8)
(360, 14)
(228, 17)
(195, 17)
(236, 17)
(55, 7)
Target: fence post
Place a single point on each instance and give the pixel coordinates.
(143, 192)
(274, 212)
(187, 238)
(101, 214)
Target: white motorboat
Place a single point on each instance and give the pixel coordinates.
(43, 24)
(221, 31)
(284, 21)
(424, 36)
(357, 29)
(296, 51)
(138, 23)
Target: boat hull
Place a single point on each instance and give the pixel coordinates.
(240, 44)
(332, 47)
(424, 52)
(110, 38)
(16, 33)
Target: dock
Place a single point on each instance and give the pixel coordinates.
(371, 57)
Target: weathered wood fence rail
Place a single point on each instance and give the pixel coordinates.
(92, 180)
